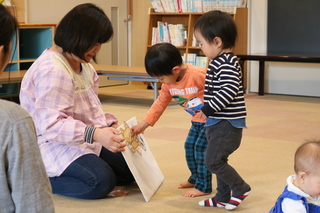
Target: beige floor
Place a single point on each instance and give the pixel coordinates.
(277, 125)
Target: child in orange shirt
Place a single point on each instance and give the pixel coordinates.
(184, 83)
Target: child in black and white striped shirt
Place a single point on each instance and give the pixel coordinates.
(224, 109)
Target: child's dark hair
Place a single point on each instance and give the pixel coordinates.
(217, 24)
(161, 58)
(8, 27)
(81, 28)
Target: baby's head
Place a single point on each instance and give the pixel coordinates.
(216, 33)
(307, 168)
(214, 24)
(161, 58)
(307, 157)
(163, 61)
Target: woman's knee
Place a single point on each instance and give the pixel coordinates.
(103, 184)
(98, 186)
(89, 177)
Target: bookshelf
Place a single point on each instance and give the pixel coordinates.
(31, 41)
(188, 19)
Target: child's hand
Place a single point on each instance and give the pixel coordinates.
(137, 129)
(202, 116)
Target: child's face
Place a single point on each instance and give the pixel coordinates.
(167, 79)
(211, 50)
(92, 52)
(176, 75)
(87, 55)
(310, 183)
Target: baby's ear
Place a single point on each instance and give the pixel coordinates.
(217, 41)
(176, 69)
(302, 176)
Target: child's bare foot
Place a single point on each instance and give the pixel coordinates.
(185, 185)
(194, 193)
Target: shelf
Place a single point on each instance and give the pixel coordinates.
(189, 19)
(192, 47)
(31, 41)
(14, 56)
(35, 39)
(11, 67)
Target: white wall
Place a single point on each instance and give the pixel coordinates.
(280, 78)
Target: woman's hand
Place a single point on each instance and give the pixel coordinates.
(115, 125)
(108, 137)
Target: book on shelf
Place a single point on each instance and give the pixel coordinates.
(160, 27)
(194, 59)
(154, 37)
(185, 6)
(195, 43)
(202, 61)
(157, 6)
(175, 34)
(163, 33)
(177, 4)
(196, 6)
(166, 6)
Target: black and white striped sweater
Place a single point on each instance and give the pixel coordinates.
(223, 94)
